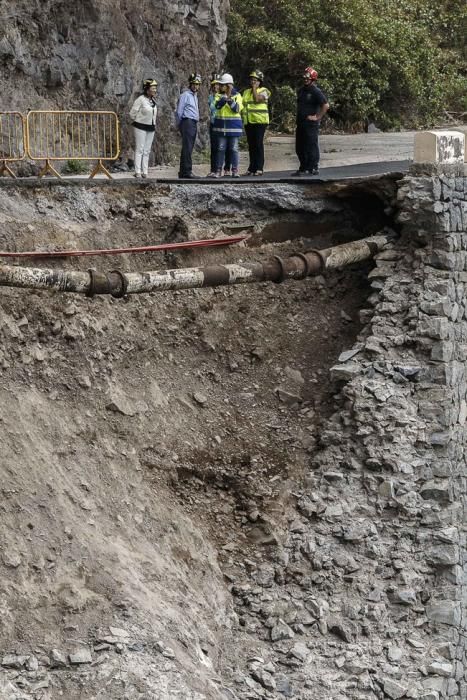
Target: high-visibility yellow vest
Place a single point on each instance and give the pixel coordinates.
(255, 112)
(228, 120)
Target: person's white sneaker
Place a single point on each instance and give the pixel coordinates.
(137, 175)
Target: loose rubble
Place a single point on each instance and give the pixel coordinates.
(232, 514)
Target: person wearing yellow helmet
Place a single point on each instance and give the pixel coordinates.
(186, 119)
(255, 115)
(143, 115)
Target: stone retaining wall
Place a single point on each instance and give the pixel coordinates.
(392, 474)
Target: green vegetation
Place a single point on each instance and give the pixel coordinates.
(76, 167)
(395, 62)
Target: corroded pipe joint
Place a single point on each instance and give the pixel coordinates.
(216, 275)
(281, 267)
(114, 283)
(315, 262)
(298, 266)
(118, 283)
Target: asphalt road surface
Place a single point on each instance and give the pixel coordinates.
(342, 172)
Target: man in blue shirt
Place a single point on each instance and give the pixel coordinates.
(186, 119)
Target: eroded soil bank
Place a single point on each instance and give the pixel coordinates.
(167, 530)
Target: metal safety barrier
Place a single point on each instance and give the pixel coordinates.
(12, 140)
(72, 135)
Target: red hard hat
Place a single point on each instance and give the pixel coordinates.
(311, 73)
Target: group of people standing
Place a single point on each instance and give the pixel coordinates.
(231, 113)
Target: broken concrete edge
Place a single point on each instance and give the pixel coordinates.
(392, 172)
(438, 169)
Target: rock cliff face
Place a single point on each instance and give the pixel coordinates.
(93, 54)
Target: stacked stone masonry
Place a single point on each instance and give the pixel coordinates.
(397, 452)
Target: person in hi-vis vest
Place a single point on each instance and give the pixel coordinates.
(227, 124)
(255, 115)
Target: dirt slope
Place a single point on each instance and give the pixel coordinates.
(149, 448)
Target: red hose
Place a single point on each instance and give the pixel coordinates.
(117, 251)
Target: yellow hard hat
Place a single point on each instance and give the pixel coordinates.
(259, 75)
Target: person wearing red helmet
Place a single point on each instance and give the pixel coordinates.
(312, 105)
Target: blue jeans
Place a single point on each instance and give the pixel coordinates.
(227, 148)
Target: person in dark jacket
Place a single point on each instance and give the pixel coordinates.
(312, 105)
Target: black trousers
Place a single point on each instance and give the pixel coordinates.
(214, 148)
(188, 130)
(255, 137)
(306, 145)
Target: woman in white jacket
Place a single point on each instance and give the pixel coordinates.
(143, 115)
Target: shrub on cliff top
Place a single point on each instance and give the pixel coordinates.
(397, 62)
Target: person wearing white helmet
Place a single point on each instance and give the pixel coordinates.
(143, 116)
(215, 89)
(228, 124)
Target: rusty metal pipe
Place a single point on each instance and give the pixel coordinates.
(117, 283)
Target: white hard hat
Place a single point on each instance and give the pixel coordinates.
(226, 79)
